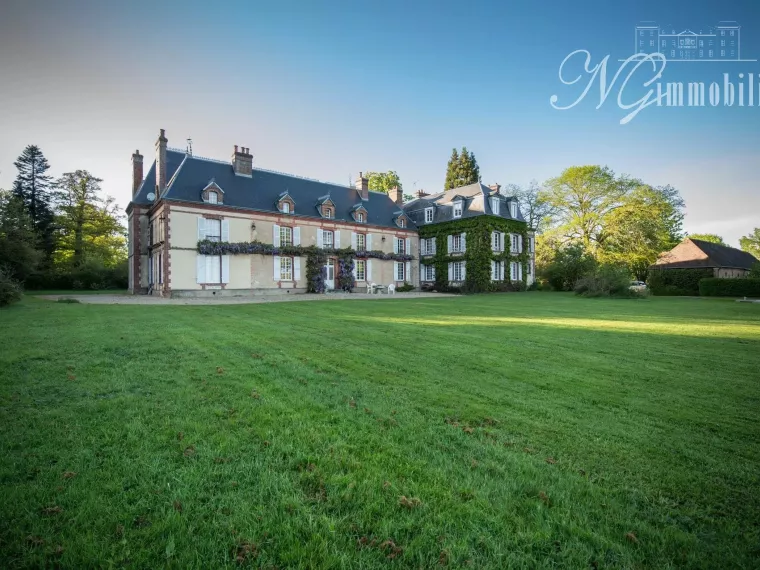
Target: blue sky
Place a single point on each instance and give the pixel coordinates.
(326, 89)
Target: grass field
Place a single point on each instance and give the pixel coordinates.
(503, 431)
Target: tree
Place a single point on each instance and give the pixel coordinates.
(712, 238)
(409, 197)
(18, 241)
(582, 197)
(461, 170)
(646, 224)
(383, 181)
(90, 228)
(534, 204)
(32, 186)
(751, 243)
(570, 263)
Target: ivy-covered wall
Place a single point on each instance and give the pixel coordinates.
(478, 253)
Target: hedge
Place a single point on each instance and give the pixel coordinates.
(676, 281)
(717, 287)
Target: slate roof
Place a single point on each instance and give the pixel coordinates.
(475, 198)
(715, 255)
(188, 175)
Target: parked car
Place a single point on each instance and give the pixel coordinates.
(638, 286)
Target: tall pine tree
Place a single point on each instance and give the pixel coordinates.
(18, 241)
(461, 170)
(32, 186)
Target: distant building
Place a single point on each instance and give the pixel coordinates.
(719, 43)
(697, 254)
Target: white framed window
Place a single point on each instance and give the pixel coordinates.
(428, 215)
(722, 53)
(429, 273)
(723, 32)
(213, 197)
(400, 245)
(360, 217)
(497, 239)
(514, 271)
(327, 212)
(456, 243)
(651, 43)
(495, 206)
(327, 238)
(710, 53)
(286, 207)
(361, 269)
(213, 269)
(401, 223)
(732, 32)
(722, 43)
(400, 271)
(664, 43)
(458, 271)
(286, 269)
(361, 242)
(428, 246)
(497, 271)
(286, 236)
(530, 268)
(513, 209)
(514, 245)
(213, 229)
(458, 209)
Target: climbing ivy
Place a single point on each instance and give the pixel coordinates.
(478, 253)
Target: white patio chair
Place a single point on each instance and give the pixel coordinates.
(372, 288)
(391, 289)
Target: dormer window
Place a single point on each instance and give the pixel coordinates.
(428, 215)
(495, 206)
(213, 197)
(360, 217)
(401, 223)
(212, 193)
(513, 209)
(286, 207)
(327, 212)
(458, 209)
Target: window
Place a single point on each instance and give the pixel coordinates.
(701, 43)
(672, 53)
(641, 32)
(700, 53)
(361, 269)
(458, 209)
(497, 270)
(723, 32)
(400, 270)
(515, 271)
(400, 245)
(722, 53)
(664, 43)
(286, 207)
(360, 216)
(429, 273)
(530, 268)
(498, 243)
(401, 223)
(428, 246)
(456, 243)
(732, 32)
(286, 236)
(361, 242)
(327, 212)
(213, 269)
(513, 209)
(213, 197)
(286, 269)
(495, 206)
(428, 215)
(673, 43)
(515, 244)
(722, 43)
(733, 43)
(651, 43)
(710, 54)
(213, 231)
(458, 270)
(327, 238)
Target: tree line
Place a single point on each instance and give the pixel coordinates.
(60, 233)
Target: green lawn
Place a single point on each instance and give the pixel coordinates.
(502, 431)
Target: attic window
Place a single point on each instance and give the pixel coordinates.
(428, 215)
(495, 206)
(360, 217)
(458, 209)
(213, 197)
(513, 209)
(401, 223)
(327, 211)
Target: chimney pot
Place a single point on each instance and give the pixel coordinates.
(137, 172)
(242, 162)
(161, 162)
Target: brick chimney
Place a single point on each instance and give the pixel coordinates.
(396, 195)
(362, 186)
(495, 187)
(161, 163)
(242, 162)
(422, 194)
(137, 172)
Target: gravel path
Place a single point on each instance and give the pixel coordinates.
(150, 300)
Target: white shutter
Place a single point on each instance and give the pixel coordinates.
(395, 245)
(519, 243)
(201, 228)
(297, 268)
(493, 270)
(433, 275)
(408, 247)
(276, 267)
(368, 242)
(336, 243)
(296, 236)
(225, 269)
(501, 271)
(225, 231)
(422, 273)
(353, 241)
(451, 271)
(320, 238)
(464, 243)
(503, 237)
(200, 269)
(493, 246)
(369, 268)
(354, 271)
(423, 246)
(450, 240)
(276, 235)
(408, 272)
(464, 269)
(433, 242)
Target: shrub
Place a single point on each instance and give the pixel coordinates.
(676, 281)
(717, 287)
(570, 263)
(754, 271)
(606, 281)
(90, 275)
(10, 289)
(405, 287)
